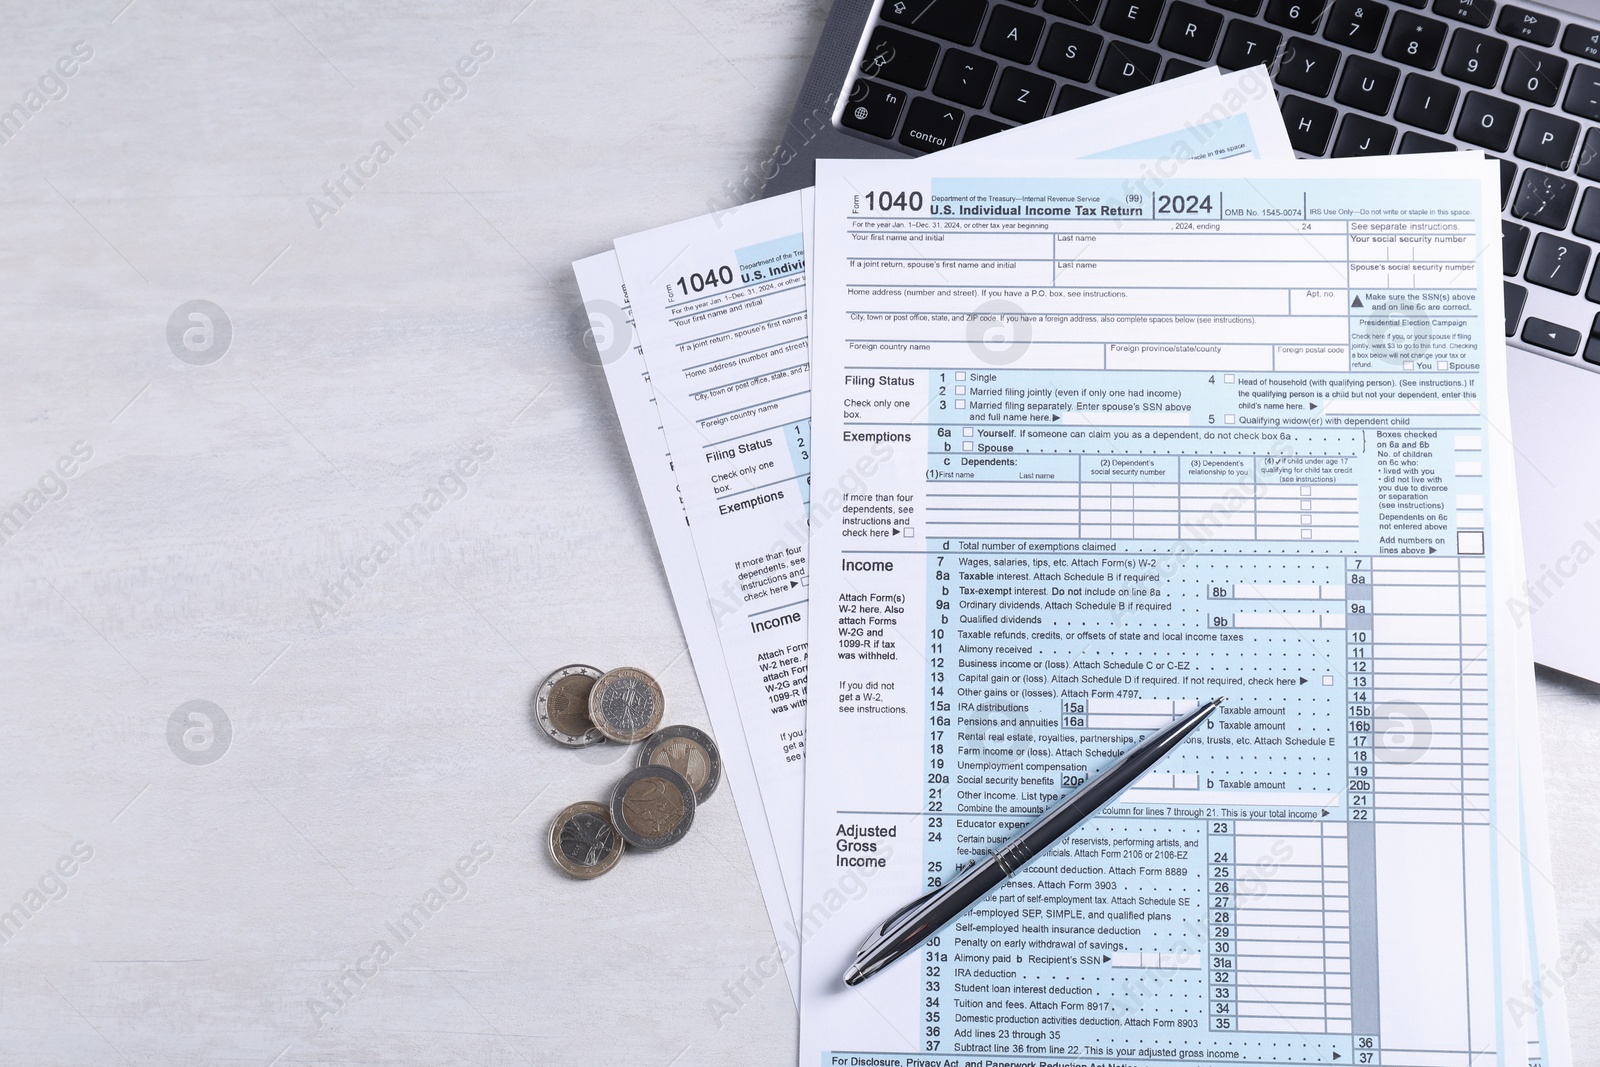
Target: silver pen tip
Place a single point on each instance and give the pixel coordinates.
(853, 974)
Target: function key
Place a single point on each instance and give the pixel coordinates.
(1418, 4)
(1083, 11)
(1581, 41)
(873, 108)
(1302, 15)
(899, 57)
(1552, 336)
(930, 125)
(954, 20)
(1415, 40)
(1475, 58)
(1535, 76)
(1528, 25)
(1356, 23)
(1472, 12)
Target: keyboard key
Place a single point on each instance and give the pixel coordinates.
(1413, 143)
(1239, 7)
(1427, 103)
(981, 126)
(1589, 157)
(1552, 336)
(1361, 136)
(1591, 348)
(1307, 67)
(1083, 11)
(899, 57)
(1072, 96)
(1070, 51)
(1528, 25)
(1581, 41)
(1487, 121)
(965, 78)
(1516, 296)
(1367, 84)
(1177, 68)
(1022, 95)
(1356, 23)
(1127, 68)
(1012, 34)
(1472, 12)
(1415, 40)
(1132, 18)
(1534, 76)
(1475, 58)
(1548, 140)
(1587, 224)
(1583, 94)
(1418, 4)
(1310, 124)
(1508, 178)
(954, 20)
(1513, 242)
(1557, 263)
(1246, 44)
(1298, 15)
(1545, 199)
(1191, 31)
(930, 125)
(873, 108)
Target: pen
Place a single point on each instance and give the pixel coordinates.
(920, 919)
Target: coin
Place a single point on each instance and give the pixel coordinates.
(652, 807)
(688, 751)
(626, 704)
(583, 841)
(562, 706)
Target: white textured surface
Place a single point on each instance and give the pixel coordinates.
(371, 753)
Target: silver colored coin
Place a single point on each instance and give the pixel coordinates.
(652, 807)
(626, 704)
(688, 751)
(583, 841)
(562, 706)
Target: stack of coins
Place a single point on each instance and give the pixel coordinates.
(653, 806)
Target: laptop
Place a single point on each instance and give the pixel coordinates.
(1520, 82)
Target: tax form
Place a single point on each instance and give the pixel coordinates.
(1136, 443)
(721, 310)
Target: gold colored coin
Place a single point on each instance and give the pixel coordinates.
(626, 704)
(583, 841)
(690, 752)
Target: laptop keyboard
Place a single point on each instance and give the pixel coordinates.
(1354, 77)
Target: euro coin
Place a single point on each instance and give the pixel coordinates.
(688, 751)
(626, 704)
(583, 841)
(562, 706)
(652, 807)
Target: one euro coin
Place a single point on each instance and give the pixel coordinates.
(562, 706)
(583, 841)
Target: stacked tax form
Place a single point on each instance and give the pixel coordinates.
(1006, 455)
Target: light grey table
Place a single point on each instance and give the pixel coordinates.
(390, 355)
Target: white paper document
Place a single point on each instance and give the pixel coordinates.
(1115, 443)
(721, 307)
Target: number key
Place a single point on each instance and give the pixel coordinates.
(1356, 23)
(1475, 58)
(1535, 76)
(1301, 15)
(1415, 40)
